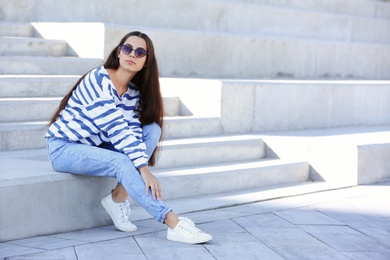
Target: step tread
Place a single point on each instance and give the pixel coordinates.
(32, 77)
(237, 198)
(32, 166)
(358, 135)
(167, 119)
(9, 126)
(210, 139)
(224, 167)
(22, 39)
(46, 58)
(29, 99)
(331, 7)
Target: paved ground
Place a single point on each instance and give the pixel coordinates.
(351, 223)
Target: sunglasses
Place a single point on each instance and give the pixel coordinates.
(139, 52)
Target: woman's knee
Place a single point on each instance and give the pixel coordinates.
(152, 130)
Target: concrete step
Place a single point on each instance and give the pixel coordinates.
(271, 21)
(41, 109)
(288, 105)
(221, 15)
(369, 8)
(344, 155)
(22, 135)
(187, 126)
(303, 58)
(30, 135)
(185, 205)
(265, 57)
(30, 86)
(31, 174)
(206, 150)
(185, 188)
(27, 109)
(219, 178)
(234, 198)
(16, 29)
(279, 21)
(23, 46)
(47, 65)
(259, 106)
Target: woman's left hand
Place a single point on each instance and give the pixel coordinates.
(151, 182)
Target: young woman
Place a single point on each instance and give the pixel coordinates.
(109, 124)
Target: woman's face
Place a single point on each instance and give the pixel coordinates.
(131, 62)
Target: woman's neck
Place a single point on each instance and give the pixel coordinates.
(120, 80)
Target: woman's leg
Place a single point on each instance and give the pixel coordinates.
(93, 161)
(89, 160)
(151, 135)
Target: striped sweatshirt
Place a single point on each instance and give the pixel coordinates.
(96, 114)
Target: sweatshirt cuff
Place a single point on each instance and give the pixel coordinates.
(140, 162)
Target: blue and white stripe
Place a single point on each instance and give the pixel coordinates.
(95, 114)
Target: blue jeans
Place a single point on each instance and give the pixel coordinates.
(106, 161)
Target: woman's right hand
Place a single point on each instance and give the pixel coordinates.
(151, 182)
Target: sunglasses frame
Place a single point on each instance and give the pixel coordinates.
(124, 46)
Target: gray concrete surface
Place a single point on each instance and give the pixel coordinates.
(349, 223)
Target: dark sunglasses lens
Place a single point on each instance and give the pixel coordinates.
(140, 52)
(126, 49)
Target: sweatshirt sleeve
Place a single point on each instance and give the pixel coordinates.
(102, 110)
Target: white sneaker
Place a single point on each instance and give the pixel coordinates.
(119, 213)
(186, 232)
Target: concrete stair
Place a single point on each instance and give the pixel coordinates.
(46, 65)
(278, 39)
(216, 149)
(184, 170)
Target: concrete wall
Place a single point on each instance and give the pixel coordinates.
(261, 106)
(374, 163)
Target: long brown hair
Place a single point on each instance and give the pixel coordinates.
(147, 81)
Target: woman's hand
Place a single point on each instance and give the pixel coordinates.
(151, 182)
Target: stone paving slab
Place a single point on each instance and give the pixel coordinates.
(342, 224)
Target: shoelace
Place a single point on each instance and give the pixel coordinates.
(191, 225)
(126, 210)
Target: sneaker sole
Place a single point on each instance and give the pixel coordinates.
(107, 208)
(189, 241)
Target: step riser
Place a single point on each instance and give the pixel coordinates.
(58, 86)
(53, 207)
(18, 110)
(65, 211)
(32, 110)
(31, 47)
(201, 154)
(189, 127)
(220, 182)
(46, 65)
(31, 136)
(12, 87)
(16, 29)
(377, 9)
(22, 138)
